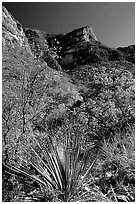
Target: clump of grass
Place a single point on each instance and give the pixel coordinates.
(115, 173)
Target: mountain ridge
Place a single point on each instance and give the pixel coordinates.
(67, 52)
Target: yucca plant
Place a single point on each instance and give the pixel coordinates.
(62, 166)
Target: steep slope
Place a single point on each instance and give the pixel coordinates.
(33, 93)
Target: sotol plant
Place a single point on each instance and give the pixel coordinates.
(62, 166)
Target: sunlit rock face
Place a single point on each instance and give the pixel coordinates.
(89, 34)
(84, 34)
(75, 46)
(12, 31)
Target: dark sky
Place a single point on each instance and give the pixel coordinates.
(112, 22)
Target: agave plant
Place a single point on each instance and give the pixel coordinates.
(59, 165)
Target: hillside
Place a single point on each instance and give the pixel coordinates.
(78, 93)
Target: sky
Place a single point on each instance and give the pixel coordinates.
(112, 22)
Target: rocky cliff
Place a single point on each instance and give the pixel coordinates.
(12, 31)
(74, 48)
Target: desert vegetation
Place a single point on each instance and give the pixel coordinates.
(68, 135)
(83, 153)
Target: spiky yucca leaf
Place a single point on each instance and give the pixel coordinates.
(59, 166)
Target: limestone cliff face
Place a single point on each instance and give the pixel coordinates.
(84, 34)
(12, 31)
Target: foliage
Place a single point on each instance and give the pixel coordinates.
(32, 92)
(115, 174)
(108, 93)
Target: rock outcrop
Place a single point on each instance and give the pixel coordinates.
(12, 31)
(129, 53)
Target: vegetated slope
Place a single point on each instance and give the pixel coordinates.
(33, 93)
(65, 85)
(103, 75)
